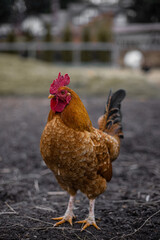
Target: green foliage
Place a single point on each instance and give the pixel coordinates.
(67, 37)
(103, 35)
(28, 36)
(48, 54)
(86, 56)
(86, 35)
(48, 36)
(11, 38)
(103, 56)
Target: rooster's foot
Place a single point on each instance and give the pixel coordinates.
(91, 218)
(68, 216)
(65, 218)
(88, 222)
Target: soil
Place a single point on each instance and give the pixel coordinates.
(30, 195)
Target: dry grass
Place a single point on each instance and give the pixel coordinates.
(19, 76)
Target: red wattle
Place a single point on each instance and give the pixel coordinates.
(57, 105)
(53, 103)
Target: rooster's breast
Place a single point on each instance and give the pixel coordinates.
(68, 153)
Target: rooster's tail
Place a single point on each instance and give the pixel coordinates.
(111, 121)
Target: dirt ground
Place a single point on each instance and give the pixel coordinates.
(30, 195)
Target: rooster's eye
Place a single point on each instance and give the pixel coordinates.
(62, 92)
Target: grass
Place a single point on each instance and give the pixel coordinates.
(29, 77)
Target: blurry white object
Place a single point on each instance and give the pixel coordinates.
(120, 20)
(34, 25)
(5, 29)
(133, 59)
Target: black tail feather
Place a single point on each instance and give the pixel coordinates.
(113, 119)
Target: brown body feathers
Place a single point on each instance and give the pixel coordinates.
(79, 155)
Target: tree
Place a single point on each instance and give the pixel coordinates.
(141, 11)
(5, 10)
(86, 56)
(8, 9)
(48, 54)
(64, 3)
(44, 6)
(34, 7)
(67, 37)
(103, 36)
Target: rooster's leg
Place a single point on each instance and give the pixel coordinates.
(68, 216)
(91, 218)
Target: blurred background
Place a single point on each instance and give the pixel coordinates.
(100, 43)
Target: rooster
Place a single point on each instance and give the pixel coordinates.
(79, 155)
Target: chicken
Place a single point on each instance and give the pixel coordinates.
(79, 155)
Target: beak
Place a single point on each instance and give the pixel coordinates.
(51, 96)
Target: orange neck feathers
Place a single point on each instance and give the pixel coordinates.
(75, 114)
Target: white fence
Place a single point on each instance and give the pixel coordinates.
(122, 43)
(143, 42)
(76, 48)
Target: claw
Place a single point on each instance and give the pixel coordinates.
(88, 223)
(70, 221)
(95, 225)
(60, 222)
(63, 220)
(58, 218)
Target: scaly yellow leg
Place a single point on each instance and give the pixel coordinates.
(91, 218)
(68, 214)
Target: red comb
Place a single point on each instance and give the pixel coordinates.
(59, 82)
